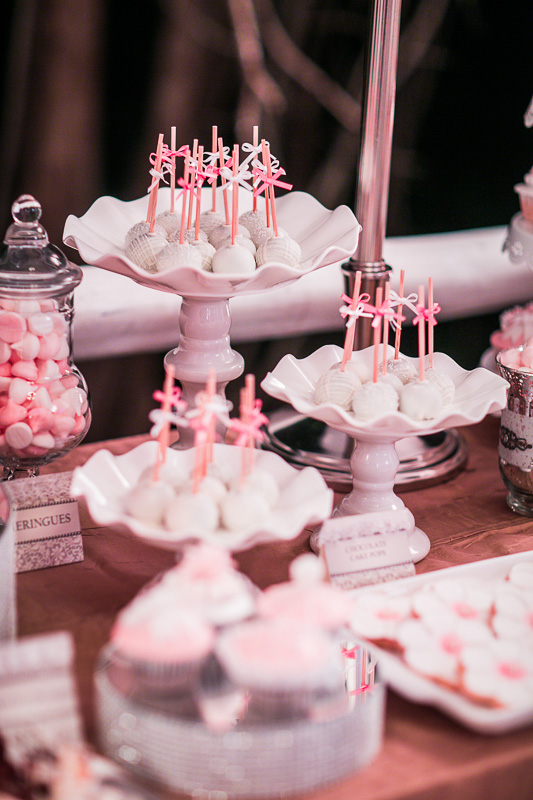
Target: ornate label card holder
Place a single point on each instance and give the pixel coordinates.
(38, 703)
(45, 521)
(366, 549)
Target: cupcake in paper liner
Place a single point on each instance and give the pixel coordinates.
(207, 582)
(525, 193)
(162, 645)
(307, 598)
(285, 667)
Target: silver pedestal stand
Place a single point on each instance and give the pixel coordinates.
(305, 441)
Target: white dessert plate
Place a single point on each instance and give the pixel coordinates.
(105, 480)
(477, 393)
(400, 677)
(324, 236)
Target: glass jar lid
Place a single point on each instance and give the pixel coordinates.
(28, 262)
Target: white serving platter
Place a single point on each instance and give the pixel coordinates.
(415, 687)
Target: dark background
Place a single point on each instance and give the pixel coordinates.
(87, 85)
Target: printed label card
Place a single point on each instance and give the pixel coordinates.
(46, 522)
(38, 701)
(367, 548)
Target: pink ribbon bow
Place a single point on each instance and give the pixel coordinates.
(269, 181)
(249, 429)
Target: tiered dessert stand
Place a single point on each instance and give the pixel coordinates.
(374, 462)
(325, 237)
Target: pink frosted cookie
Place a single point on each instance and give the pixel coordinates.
(498, 675)
(462, 599)
(435, 652)
(513, 614)
(377, 616)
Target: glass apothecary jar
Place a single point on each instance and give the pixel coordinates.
(44, 402)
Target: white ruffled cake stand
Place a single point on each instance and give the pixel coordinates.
(324, 236)
(105, 480)
(374, 462)
(519, 242)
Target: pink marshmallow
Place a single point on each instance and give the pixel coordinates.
(49, 345)
(28, 347)
(31, 450)
(19, 435)
(44, 440)
(62, 426)
(63, 365)
(7, 304)
(25, 369)
(70, 381)
(5, 352)
(4, 383)
(510, 358)
(12, 326)
(60, 324)
(41, 399)
(79, 426)
(27, 307)
(48, 370)
(40, 419)
(41, 324)
(48, 305)
(63, 350)
(11, 413)
(55, 389)
(5, 370)
(74, 400)
(19, 390)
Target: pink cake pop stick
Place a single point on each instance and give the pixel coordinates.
(164, 432)
(420, 320)
(156, 177)
(431, 323)
(235, 195)
(193, 173)
(400, 309)
(224, 187)
(255, 143)
(185, 184)
(385, 332)
(173, 169)
(376, 323)
(214, 147)
(350, 330)
(269, 191)
(199, 195)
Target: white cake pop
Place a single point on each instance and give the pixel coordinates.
(141, 228)
(374, 399)
(222, 232)
(356, 366)
(280, 250)
(336, 387)
(243, 508)
(189, 235)
(444, 384)
(263, 482)
(178, 255)
(253, 220)
(144, 249)
(210, 220)
(392, 380)
(173, 475)
(243, 241)
(404, 369)
(147, 501)
(207, 251)
(170, 221)
(192, 511)
(233, 259)
(421, 400)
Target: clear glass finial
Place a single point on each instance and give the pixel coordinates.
(26, 228)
